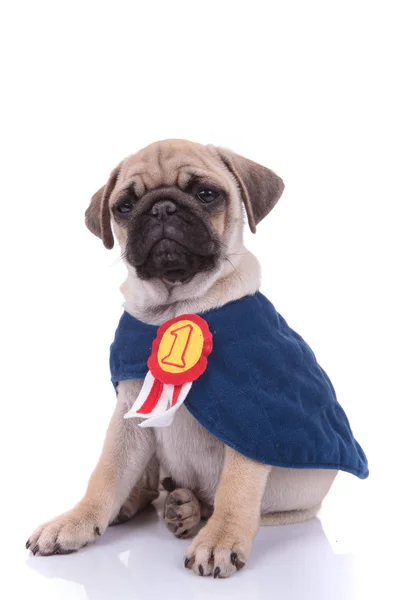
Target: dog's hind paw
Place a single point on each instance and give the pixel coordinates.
(137, 500)
(182, 512)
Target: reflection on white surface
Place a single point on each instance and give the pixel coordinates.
(143, 560)
(342, 555)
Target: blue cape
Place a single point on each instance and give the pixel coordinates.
(263, 392)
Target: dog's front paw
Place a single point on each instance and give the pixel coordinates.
(181, 512)
(220, 549)
(67, 533)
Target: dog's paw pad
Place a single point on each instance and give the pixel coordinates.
(181, 512)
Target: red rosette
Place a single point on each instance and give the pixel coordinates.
(186, 374)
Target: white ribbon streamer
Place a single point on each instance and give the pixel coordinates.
(163, 413)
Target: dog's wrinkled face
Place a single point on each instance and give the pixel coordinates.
(176, 207)
(169, 231)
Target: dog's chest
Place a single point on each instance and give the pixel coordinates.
(190, 455)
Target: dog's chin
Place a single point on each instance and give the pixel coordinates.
(173, 263)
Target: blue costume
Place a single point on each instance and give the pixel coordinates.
(263, 392)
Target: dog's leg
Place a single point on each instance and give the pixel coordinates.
(143, 493)
(126, 452)
(222, 547)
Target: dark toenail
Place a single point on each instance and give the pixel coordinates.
(217, 571)
(172, 514)
(97, 530)
(201, 570)
(123, 517)
(182, 535)
(56, 548)
(35, 550)
(239, 564)
(180, 524)
(28, 543)
(189, 562)
(66, 551)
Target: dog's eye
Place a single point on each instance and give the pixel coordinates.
(206, 195)
(125, 206)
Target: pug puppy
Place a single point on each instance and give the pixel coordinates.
(176, 209)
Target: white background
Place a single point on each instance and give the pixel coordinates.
(309, 89)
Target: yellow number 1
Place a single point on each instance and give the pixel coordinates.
(180, 343)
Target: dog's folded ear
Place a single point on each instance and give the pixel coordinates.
(260, 187)
(97, 215)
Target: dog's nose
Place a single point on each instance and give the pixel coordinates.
(163, 208)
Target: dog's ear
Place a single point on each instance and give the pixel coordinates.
(97, 215)
(260, 187)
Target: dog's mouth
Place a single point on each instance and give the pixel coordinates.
(173, 262)
(170, 242)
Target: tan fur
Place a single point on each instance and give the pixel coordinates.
(260, 188)
(205, 471)
(224, 544)
(290, 516)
